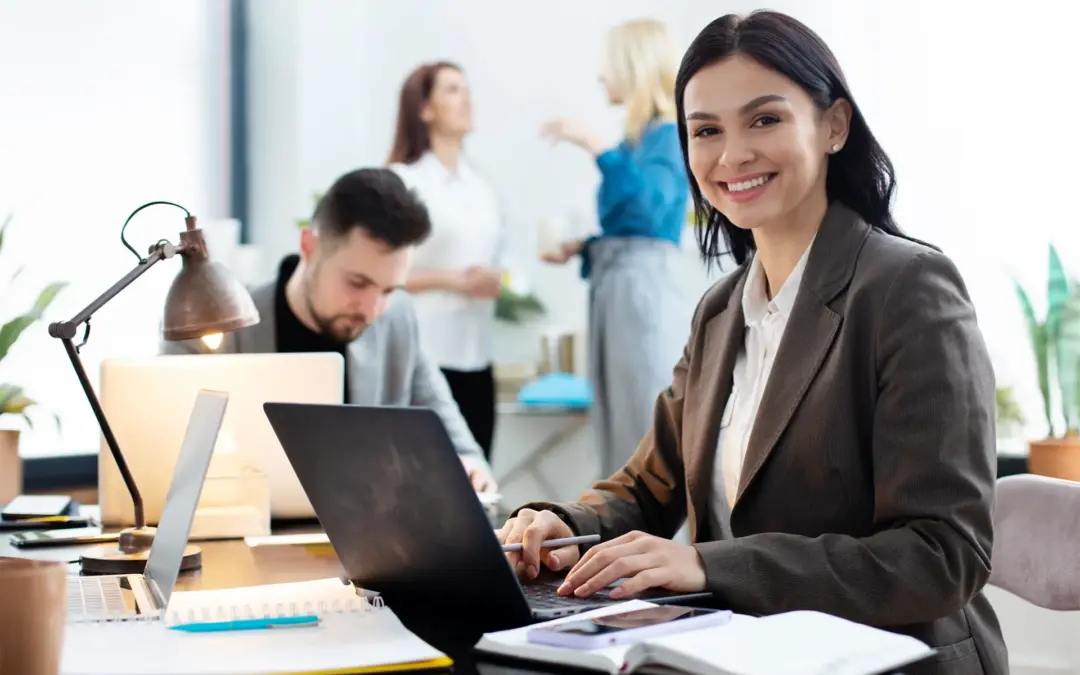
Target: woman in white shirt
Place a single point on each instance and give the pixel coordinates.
(456, 272)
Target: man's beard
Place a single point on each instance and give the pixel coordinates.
(339, 327)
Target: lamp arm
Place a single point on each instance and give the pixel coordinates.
(66, 330)
(159, 252)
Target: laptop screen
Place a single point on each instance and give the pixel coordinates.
(189, 474)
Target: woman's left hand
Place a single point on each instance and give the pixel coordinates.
(573, 131)
(643, 560)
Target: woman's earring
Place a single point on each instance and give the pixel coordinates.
(836, 147)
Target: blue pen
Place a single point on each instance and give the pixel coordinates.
(249, 624)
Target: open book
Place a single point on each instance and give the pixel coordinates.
(794, 643)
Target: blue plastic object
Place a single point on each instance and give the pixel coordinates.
(557, 389)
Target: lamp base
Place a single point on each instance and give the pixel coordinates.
(131, 554)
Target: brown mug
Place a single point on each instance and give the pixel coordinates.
(33, 611)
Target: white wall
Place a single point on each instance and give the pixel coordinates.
(961, 96)
(104, 106)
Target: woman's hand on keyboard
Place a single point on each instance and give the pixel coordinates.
(643, 560)
(530, 529)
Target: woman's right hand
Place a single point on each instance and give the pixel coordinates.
(531, 528)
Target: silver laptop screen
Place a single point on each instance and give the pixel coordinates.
(189, 474)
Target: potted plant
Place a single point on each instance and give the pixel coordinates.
(1056, 344)
(1008, 418)
(13, 400)
(516, 305)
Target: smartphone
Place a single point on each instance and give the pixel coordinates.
(626, 627)
(76, 537)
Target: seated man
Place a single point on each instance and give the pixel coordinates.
(342, 294)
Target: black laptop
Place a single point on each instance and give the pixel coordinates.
(403, 518)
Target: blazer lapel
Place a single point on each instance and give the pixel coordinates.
(723, 339)
(809, 334)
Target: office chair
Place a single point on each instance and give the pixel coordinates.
(1037, 540)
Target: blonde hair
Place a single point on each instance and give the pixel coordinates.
(640, 62)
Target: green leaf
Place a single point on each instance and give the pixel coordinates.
(1057, 293)
(3, 228)
(46, 297)
(8, 393)
(10, 332)
(1077, 428)
(1007, 409)
(514, 307)
(1067, 358)
(1040, 344)
(17, 405)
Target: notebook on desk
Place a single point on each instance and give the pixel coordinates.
(354, 635)
(794, 643)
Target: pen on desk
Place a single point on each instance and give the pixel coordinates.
(556, 543)
(249, 624)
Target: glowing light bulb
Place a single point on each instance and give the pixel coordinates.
(213, 340)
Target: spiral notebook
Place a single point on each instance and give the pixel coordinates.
(322, 598)
(356, 633)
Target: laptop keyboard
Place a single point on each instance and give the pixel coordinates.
(99, 598)
(544, 596)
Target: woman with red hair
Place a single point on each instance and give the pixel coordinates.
(457, 271)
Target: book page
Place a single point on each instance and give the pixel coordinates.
(794, 643)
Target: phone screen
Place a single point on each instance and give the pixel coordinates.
(639, 618)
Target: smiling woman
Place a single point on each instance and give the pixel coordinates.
(881, 411)
(799, 111)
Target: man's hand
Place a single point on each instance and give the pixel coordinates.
(530, 529)
(643, 560)
(480, 475)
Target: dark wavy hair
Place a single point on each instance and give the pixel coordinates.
(860, 175)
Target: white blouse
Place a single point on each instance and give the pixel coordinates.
(466, 230)
(765, 323)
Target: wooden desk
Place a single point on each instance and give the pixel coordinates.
(231, 564)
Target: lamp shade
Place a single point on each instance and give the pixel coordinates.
(204, 298)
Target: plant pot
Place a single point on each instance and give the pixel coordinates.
(10, 465)
(1055, 457)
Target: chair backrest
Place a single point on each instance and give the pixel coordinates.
(1037, 540)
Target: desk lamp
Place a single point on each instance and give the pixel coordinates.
(204, 300)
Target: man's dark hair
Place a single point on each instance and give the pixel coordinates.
(377, 201)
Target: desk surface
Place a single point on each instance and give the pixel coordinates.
(231, 564)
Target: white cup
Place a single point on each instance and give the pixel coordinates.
(552, 231)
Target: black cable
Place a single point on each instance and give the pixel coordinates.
(126, 222)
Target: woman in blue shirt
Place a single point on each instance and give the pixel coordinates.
(638, 317)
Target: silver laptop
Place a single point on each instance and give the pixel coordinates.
(136, 596)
